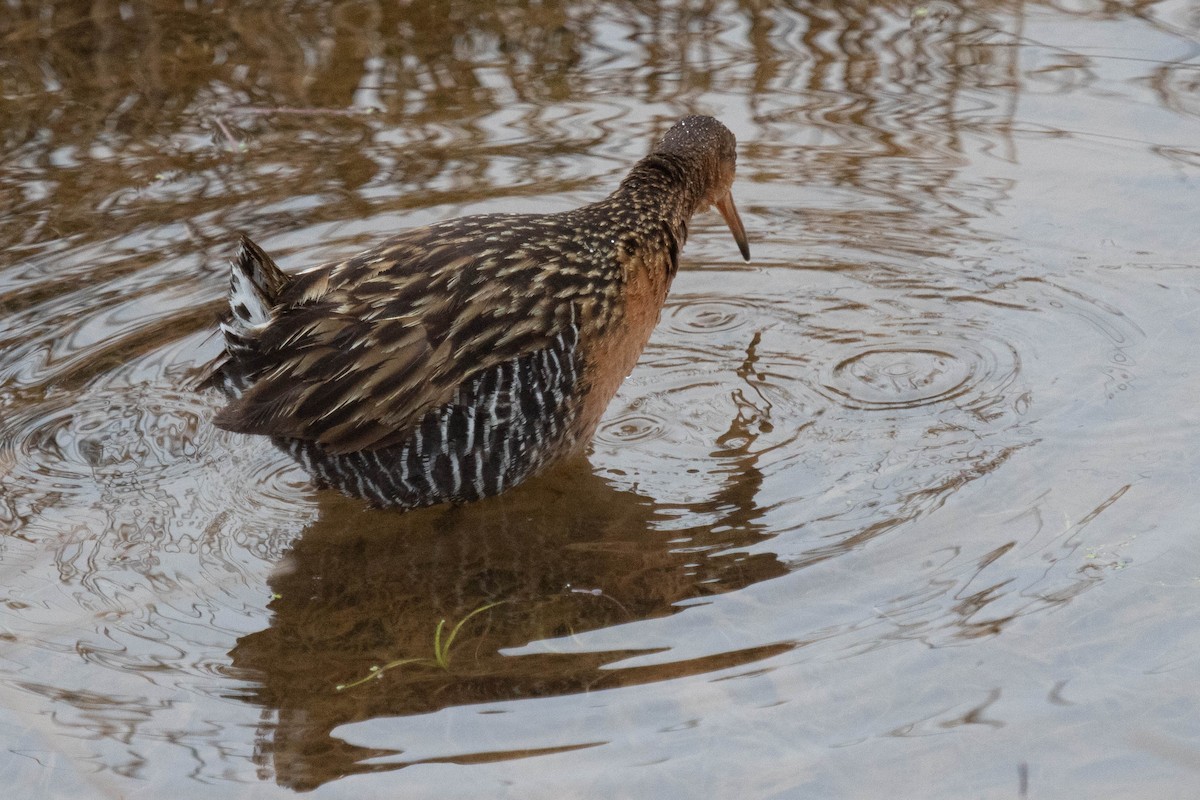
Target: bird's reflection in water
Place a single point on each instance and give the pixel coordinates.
(564, 554)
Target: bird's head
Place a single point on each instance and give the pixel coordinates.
(710, 151)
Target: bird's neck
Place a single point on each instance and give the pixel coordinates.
(647, 216)
(662, 188)
(640, 230)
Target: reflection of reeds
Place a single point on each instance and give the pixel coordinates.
(252, 107)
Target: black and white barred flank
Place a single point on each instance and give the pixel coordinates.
(487, 439)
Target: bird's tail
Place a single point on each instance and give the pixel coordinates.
(255, 284)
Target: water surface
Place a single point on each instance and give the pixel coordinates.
(905, 507)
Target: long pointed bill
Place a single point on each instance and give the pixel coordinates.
(730, 213)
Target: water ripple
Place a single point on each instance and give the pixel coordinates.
(914, 370)
(706, 315)
(114, 442)
(634, 427)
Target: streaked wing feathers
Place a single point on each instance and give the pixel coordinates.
(359, 351)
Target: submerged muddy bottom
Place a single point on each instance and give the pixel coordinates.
(904, 507)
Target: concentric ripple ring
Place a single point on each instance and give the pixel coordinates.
(917, 371)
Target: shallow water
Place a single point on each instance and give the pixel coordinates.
(905, 507)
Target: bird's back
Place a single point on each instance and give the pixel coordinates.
(443, 365)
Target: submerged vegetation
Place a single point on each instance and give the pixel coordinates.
(441, 650)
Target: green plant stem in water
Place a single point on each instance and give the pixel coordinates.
(441, 652)
(377, 672)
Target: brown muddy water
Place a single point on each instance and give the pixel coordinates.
(907, 507)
